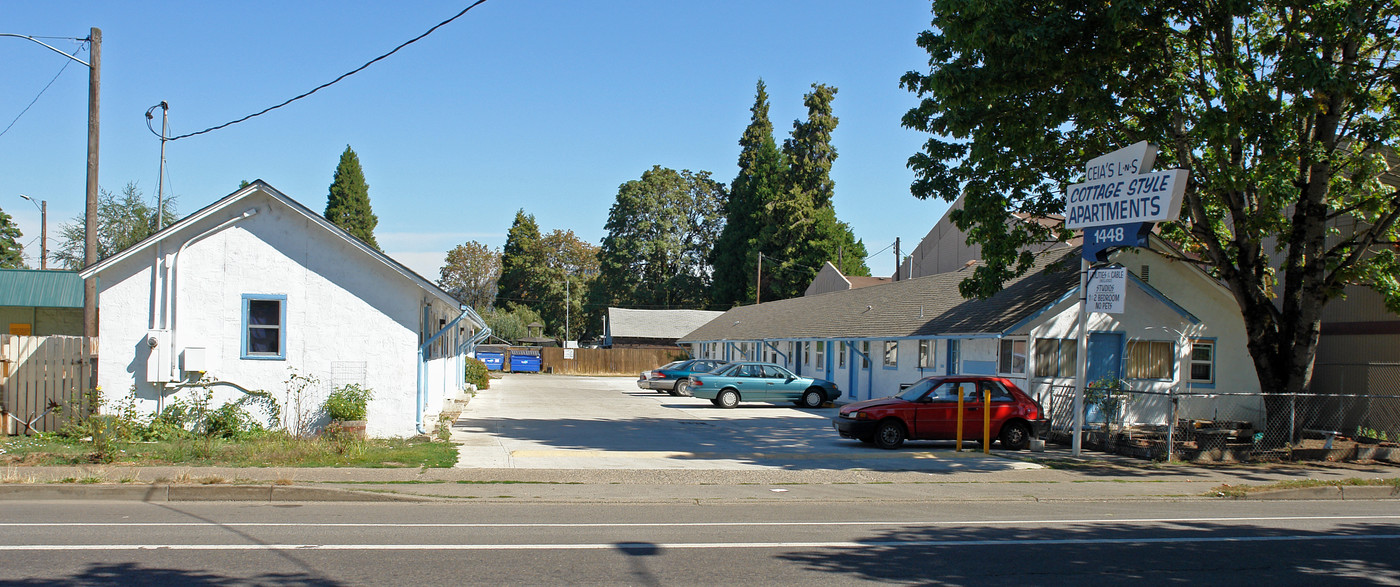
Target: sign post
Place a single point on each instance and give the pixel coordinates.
(1116, 206)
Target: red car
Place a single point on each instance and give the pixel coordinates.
(928, 410)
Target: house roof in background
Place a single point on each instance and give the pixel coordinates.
(922, 307)
(859, 282)
(41, 289)
(669, 324)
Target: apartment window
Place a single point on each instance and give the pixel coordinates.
(1013, 357)
(1203, 361)
(806, 352)
(264, 327)
(821, 354)
(892, 354)
(865, 354)
(1149, 359)
(925, 354)
(1055, 357)
(841, 355)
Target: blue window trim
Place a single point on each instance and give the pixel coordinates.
(281, 331)
(885, 366)
(1214, 364)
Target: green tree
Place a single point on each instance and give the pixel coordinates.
(469, 273)
(571, 265)
(801, 227)
(11, 253)
(509, 322)
(121, 222)
(522, 265)
(348, 204)
(760, 181)
(661, 231)
(1283, 112)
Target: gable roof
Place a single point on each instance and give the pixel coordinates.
(40, 288)
(668, 324)
(259, 186)
(921, 307)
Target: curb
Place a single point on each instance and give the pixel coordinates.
(1333, 493)
(170, 493)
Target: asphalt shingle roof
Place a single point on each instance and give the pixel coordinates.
(667, 324)
(924, 306)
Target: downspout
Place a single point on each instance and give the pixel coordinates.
(171, 280)
(422, 398)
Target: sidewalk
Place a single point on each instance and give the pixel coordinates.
(969, 476)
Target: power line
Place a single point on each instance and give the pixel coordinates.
(41, 92)
(887, 247)
(332, 82)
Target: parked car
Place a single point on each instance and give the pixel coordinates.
(761, 382)
(928, 410)
(674, 377)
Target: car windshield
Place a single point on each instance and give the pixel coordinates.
(729, 371)
(671, 365)
(918, 389)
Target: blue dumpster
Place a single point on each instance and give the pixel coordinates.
(525, 363)
(494, 361)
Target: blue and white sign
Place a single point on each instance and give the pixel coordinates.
(1121, 190)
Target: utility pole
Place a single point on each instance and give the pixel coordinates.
(160, 181)
(896, 258)
(758, 281)
(43, 230)
(90, 224)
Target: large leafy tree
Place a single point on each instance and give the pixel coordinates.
(760, 181)
(523, 271)
(11, 253)
(348, 204)
(660, 233)
(122, 221)
(800, 226)
(571, 265)
(469, 273)
(1283, 112)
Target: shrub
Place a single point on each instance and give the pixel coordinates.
(478, 374)
(348, 402)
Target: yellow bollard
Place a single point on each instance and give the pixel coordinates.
(987, 421)
(960, 421)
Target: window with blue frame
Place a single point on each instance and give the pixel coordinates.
(264, 327)
(1202, 361)
(891, 354)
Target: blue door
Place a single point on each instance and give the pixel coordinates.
(829, 351)
(952, 368)
(1105, 362)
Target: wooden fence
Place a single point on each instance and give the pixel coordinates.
(36, 370)
(607, 361)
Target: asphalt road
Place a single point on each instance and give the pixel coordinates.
(1228, 543)
(561, 422)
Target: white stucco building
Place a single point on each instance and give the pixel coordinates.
(255, 287)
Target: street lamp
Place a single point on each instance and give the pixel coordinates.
(43, 206)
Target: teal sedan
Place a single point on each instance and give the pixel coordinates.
(761, 382)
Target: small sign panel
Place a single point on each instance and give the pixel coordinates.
(568, 354)
(1108, 288)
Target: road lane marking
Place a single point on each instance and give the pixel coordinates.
(704, 524)
(671, 454)
(624, 546)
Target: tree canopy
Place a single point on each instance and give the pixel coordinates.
(522, 264)
(469, 273)
(661, 230)
(759, 183)
(121, 222)
(1283, 112)
(348, 204)
(11, 252)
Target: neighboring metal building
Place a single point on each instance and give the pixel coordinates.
(626, 328)
(41, 303)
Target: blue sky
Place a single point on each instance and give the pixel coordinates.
(541, 105)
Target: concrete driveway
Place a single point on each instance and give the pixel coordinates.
(534, 421)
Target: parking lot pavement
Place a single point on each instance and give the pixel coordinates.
(530, 421)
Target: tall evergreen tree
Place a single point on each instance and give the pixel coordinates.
(11, 253)
(522, 279)
(801, 228)
(759, 183)
(348, 205)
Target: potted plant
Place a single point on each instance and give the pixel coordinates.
(347, 407)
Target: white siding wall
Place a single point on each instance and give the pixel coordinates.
(343, 309)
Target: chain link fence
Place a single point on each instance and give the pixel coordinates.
(1216, 427)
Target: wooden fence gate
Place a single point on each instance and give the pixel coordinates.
(607, 361)
(36, 370)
